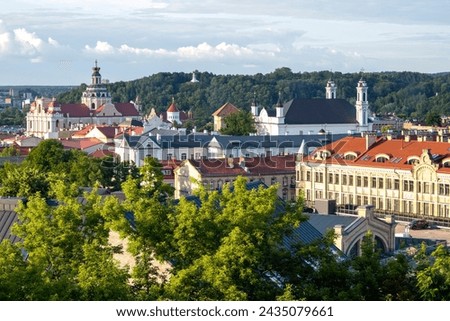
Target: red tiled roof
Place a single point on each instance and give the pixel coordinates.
(272, 165)
(126, 109)
(100, 153)
(83, 132)
(172, 108)
(226, 110)
(398, 151)
(82, 143)
(76, 110)
(109, 131)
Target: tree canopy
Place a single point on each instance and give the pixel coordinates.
(241, 123)
(409, 94)
(232, 244)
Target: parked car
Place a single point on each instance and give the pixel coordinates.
(418, 224)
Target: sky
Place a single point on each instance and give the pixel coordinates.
(56, 42)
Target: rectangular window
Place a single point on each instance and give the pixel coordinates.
(344, 179)
(358, 181)
(358, 200)
(366, 181)
(350, 180)
(308, 176)
(388, 183)
(183, 156)
(405, 186)
(330, 178)
(374, 182)
(380, 182)
(336, 179)
(396, 184)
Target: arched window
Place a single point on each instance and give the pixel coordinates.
(382, 158)
(413, 160)
(350, 155)
(446, 162)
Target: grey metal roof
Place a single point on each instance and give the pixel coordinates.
(7, 219)
(319, 111)
(306, 233)
(280, 141)
(324, 222)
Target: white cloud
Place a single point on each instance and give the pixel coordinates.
(36, 60)
(4, 42)
(125, 49)
(28, 42)
(201, 51)
(102, 47)
(204, 50)
(53, 42)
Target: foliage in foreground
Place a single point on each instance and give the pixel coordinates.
(228, 245)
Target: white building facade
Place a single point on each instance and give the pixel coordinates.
(47, 117)
(314, 116)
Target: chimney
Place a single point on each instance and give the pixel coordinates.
(242, 161)
(390, 219)
(230, 162)
(370, 140)
(366, 211)
(339, 239)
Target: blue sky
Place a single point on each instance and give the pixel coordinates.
(54, 42)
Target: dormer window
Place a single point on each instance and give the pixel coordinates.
(382, 158)
(412, 160)
(350, 155)
(446, 162)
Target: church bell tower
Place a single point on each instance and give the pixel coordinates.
(96, 93)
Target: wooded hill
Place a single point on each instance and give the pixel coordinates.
(409, 95)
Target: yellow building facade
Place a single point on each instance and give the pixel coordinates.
(409, 178)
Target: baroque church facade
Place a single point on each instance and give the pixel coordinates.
(47, 117)
(315, 116)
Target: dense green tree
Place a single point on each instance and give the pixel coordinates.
(23, 181)
(115, 172)
(49, 155)
(47, 162)
(241, 123)
(433, 281)
(148, 198)
(9, 151)
(229, 248)
(433, 119)
(317, 271)
(67, 246)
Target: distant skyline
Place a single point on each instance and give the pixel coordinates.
(49, 42)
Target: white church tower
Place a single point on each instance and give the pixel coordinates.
(173, 114)
(362, 105)
(254, 107)
(96, 93)
(330, 90)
